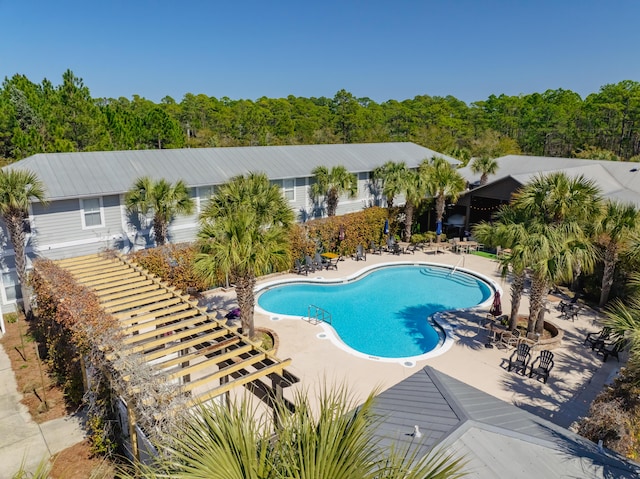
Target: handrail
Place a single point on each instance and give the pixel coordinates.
(320, 315)
(456, 266)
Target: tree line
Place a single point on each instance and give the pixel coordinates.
(43, 117)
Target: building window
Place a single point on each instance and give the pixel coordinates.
(288, 188)
(10, 286)
(204, 195)
(92, 215)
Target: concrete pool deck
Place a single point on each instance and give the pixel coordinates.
(577, 377)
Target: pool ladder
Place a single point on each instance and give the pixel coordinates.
(319, 315)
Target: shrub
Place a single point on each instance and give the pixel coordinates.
(173, 263)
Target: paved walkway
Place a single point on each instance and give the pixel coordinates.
(22, 441)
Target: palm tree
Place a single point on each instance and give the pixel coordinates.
(485, 165)
(557, 209)
(331, 184)
(414, 190)
(618, 227)
(164, 199)
(443, 182)
(234, 441)
(391, 175)
(17, 189)
(244, 233)
(508, 232)
(623, 317)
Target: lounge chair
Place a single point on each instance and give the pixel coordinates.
(360, 254)
(300, 268)
(542, 365)
(519, 359)
(598, 338)
(308, 262)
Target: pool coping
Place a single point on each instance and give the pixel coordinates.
(444, 322)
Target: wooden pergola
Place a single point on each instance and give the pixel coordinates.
(178, 339)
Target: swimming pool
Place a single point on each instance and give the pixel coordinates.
(383, 312)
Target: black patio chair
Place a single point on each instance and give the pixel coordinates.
(393, 247)
(542, 365)
(611, 349)
(360, 253)
(375, 249)
(598, 338)
(300, 268)
(308, 262)
(519, 359)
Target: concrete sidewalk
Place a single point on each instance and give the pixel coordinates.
(22, 441)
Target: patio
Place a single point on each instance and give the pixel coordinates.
(578, 375)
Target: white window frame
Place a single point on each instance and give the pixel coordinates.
(202, 202)
(286, 189)
(83, 217)
(3, 287)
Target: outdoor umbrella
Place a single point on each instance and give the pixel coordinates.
(496, 307)
(439, 228)
(386, 227)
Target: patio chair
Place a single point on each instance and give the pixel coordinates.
(596, 339)
(571, 312)
(393, 247)
(531, 340)
(319, 262)
(308, 262)
(360, 254)
(542, 365)
(519, 359)
(510, 338)
(375, 249)
(300, 268)
(611, 349)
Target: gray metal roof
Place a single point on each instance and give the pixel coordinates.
(497, 439)
(617, 179)
(72, 175)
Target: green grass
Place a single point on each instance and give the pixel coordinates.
(484, 254)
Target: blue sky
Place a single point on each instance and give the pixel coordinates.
(377, 49)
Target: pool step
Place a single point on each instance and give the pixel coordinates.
(459, 277)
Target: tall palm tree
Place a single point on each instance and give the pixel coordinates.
(618, 227)
(391, 175)
(332, 184)
(164, 199)
(17, 189)
(486, 166)
(623, 317)
(414, 190)
(443, 182)
(244, 232)
(235, 442)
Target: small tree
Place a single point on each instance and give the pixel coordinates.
(162, 198)
(331, 184)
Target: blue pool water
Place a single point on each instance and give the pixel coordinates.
(383, 313)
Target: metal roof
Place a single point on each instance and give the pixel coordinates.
(497, 439)
(617, 179)
(73, 175)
